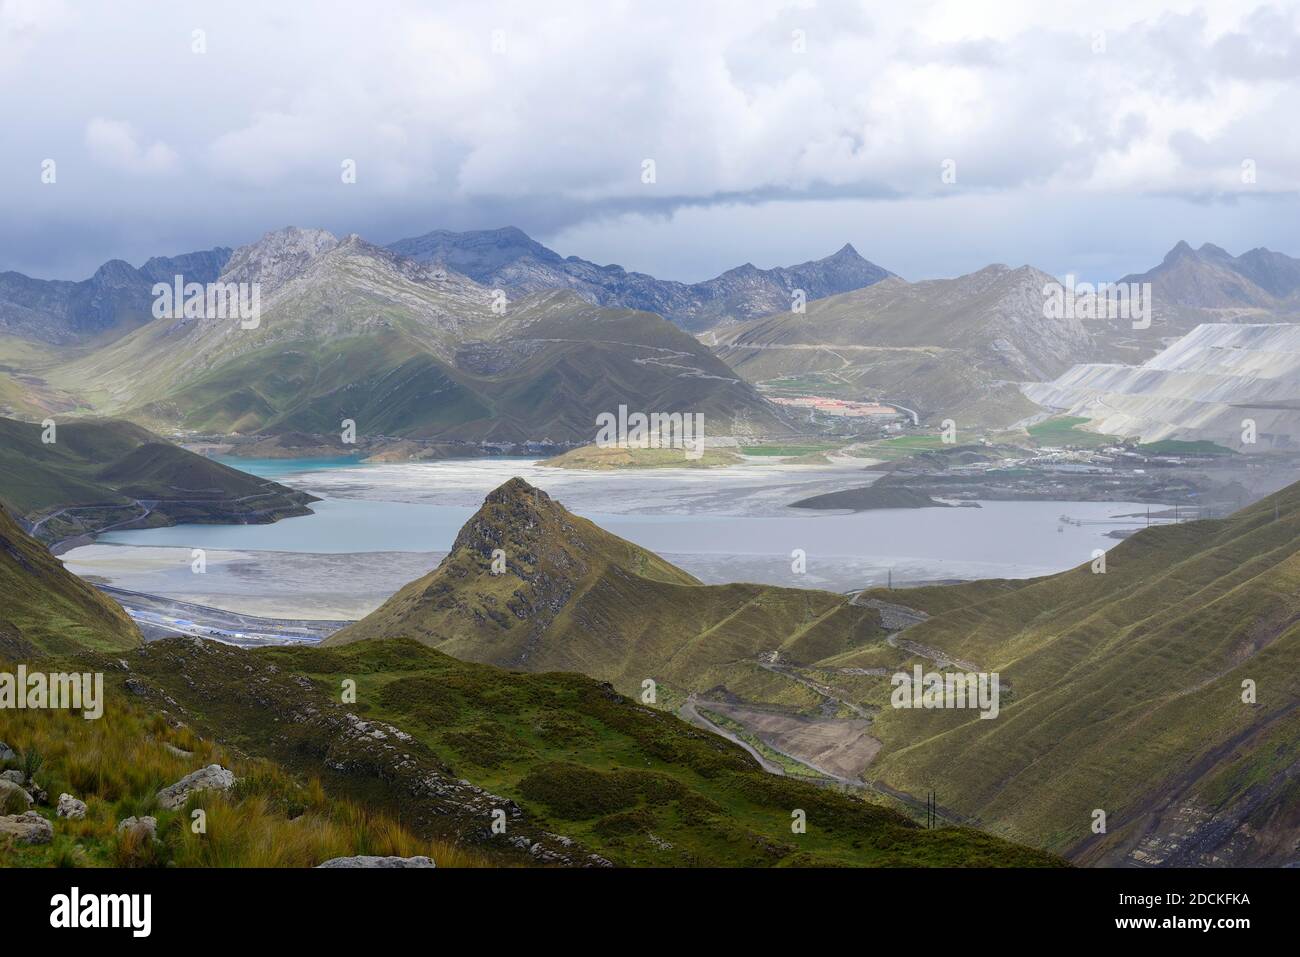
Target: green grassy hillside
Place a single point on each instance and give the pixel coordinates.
(389, 747)
(44, 608)
(102, 472)
(564, 754)
(117, 764)
(1125, 695)
(1120, 691)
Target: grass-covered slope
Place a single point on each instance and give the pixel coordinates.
(101, 472)
(568, 596)
(45, 608)
(424, 760)
(1123, 691)
(561, 753)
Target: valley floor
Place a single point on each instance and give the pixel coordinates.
(380, 526)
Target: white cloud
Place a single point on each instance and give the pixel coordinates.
(571, 105)
(550, 132)
(114, 144)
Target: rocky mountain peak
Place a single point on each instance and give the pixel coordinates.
(116, 273)
(278, 256)
(517, 491)
(514, 512)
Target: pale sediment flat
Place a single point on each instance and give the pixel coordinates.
(263, 583)
(749, 489)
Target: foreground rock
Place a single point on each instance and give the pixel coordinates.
(145, 826)
(212, 778)
(71, 808)
(8, 787)
(365, 860)
(27, 828)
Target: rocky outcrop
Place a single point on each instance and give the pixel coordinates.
(27, 828)
(371, 861)
(212, 778)
(71, 808)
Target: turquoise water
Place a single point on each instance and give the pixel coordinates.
(276, 469)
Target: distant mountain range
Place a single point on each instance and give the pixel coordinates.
(508, 259)
(959, 348)
(116, 299)
(402, 348)
(406, 339)
(1212, 278)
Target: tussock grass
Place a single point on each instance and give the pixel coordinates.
(118, 763)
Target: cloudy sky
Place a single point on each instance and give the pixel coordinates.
(1085, 137)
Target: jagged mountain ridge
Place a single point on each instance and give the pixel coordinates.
(508, 258)
(1212, 278)
(116, 299)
